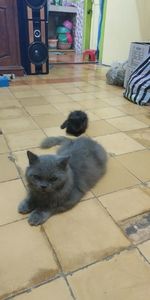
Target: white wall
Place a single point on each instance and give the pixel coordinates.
(126, 21)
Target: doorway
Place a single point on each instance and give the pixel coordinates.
(79, 13)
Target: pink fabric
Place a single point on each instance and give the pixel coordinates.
(69, 38)
(68, 24)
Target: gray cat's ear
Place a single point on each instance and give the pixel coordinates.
(32, 157)
(64, 125)
(63, 161)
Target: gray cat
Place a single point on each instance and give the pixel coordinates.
(58, 182)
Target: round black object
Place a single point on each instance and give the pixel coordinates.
(35, 4)
(38, 53)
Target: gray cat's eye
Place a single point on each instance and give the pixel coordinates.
(37, 177)
(53, 178)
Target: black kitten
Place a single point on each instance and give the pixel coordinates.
(76, 123)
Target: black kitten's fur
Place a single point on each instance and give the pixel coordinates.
(76, 123)
(57, 182)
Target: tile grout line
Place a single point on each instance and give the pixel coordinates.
(109, 257)
(118, 226)
(28, 290)
(12, 222)
(115, 157)
(120, 189)
(106, 258)
(119, 223)
(58, 263)
(142, 255)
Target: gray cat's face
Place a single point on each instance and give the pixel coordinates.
(46, 173)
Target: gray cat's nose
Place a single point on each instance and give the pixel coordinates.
(43, 186)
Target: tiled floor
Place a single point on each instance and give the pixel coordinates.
(83, 254)
(58, 56)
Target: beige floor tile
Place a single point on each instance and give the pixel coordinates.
(25, 139)
(103, 94)
(49, 92)
(26, 94)
(79, 235)
(109, 112)
(7, 95)
(83, 96)
(142, 136)
(26, 258)
(118, 91)
(100, 127)
(3, 146)
(119, 143)
(52, 120)
(12, 193)
(5, 91)
(67, 107)
(127, 123)
(116, 178)
(62, 85)
(56, 290)
(126, 203)
(143, 118)
(54, 131)
(17, 125)
(19, 88)
(90, 88)
(145, 249)
(8, 170)
(91, 115)
(131, 108)
(33, 101)
(125, 276)
(58, 98)
(71, 90)
(81, 84)
(10, 113)
(91, 104)
(41, 86)
(115, 101)
(99, 82)
(137, 163)
(41, 110)
(9, 102)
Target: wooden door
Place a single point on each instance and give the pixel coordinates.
(9, 38)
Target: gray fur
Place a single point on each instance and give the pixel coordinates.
(58, 182)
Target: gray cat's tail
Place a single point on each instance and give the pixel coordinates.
(54, 141)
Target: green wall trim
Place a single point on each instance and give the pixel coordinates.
(87, 24)
(101, 42)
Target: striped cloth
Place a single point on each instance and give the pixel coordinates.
(138, 86)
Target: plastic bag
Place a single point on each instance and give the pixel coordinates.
(116, 74)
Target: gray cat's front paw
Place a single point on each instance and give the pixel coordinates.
(38, 217)
(25, 207)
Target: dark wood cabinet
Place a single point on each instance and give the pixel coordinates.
(9, 38)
